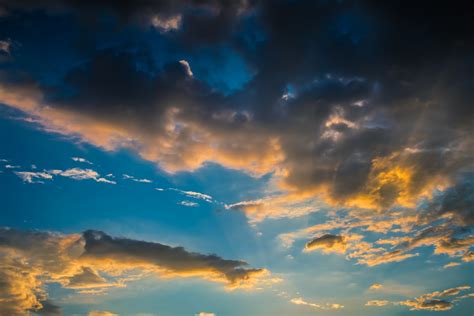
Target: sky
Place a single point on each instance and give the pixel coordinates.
(236, 158)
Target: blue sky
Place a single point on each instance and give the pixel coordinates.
(234, 159)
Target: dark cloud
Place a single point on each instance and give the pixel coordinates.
(49, 309)
(93, 262)
(327, 242)
(99, 245)
(363, 104)
(457, 201)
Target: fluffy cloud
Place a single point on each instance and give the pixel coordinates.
(375, 135)
(93, 261)
(447, 232)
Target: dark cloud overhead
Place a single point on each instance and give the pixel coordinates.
(363, 104)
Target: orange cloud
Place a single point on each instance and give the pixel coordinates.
(92, 262)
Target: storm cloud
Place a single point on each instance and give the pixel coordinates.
(373, 124)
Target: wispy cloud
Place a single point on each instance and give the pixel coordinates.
(33, 177)
(129, 177)
(188, 203)
(326, 306)
(80, 159)
(435, 301)
(195, 195)
(81, 174)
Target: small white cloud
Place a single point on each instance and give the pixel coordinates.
(83, 160)
(195, 195)
(188, 203)
(129, 177)
(327, 306)
(81, 174)
(159, 189)
(12, 167)
(186, 67)
(33, 177)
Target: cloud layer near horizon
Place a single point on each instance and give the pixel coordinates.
(93, 262)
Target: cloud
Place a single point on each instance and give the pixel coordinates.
(205, 314)
(435, 301)
(81, 174)
(451, 264)
(376, 286)
(195, 195)
(12, 166)
(166, 24)
(328, 243)
(129, 177)
(187, 68)
(101, 313)
(5, 46)
(33, 177)
(445, 230)
(80, 159)
(377, 303)
(358, 131)
(327, 306)
(93, 261)
(188, 203)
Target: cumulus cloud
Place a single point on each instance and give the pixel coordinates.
(357, 132)
(447, 233)
(93, 261)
